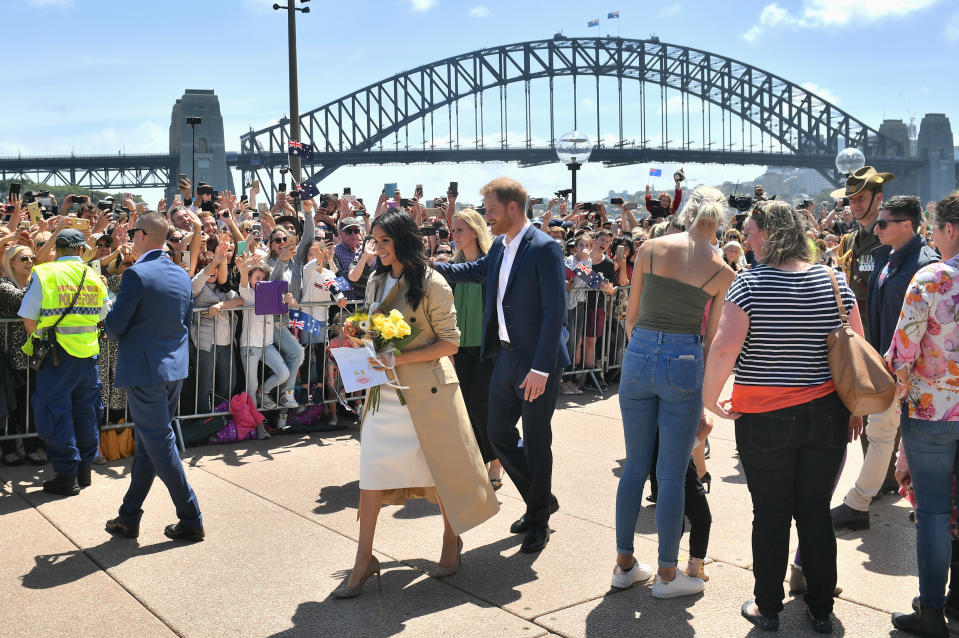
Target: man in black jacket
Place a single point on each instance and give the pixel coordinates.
(901, 254)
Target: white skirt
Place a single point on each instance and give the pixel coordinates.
(390, 452)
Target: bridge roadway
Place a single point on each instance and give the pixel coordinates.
(281, 523)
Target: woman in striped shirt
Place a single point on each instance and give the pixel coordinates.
(791, 426)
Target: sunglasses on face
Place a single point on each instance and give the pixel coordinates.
(350, 231)
(132, 233)
(27, 258)
(279, 240)
(175, 239)
(882, 223)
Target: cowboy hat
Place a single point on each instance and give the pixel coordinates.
(865, 177)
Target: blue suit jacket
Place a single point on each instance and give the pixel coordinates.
(151, 320)
(534, 304)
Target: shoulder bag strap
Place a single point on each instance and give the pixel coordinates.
(843, 317)
(83, 278)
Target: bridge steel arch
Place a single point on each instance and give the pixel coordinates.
(798, 121)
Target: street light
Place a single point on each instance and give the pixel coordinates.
(291, 10)
(573, 149)
(850, 160)
(193, 122)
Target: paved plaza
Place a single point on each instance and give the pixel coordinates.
(281, 526)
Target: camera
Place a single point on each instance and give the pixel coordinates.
(589, 207)
(616, 201)
(536, 200)
(804, 204)
(428, 231)
(104, 205)
(204, 190)
(566, 192)
(741, 203)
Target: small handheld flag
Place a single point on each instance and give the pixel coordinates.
(613, 15)
(593, 23)
(655, 172)
(308, 190)
(299, 149)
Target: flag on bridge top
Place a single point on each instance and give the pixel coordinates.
(593, 23)
(308, 190)
(299, 149)
(655, 172)
(613, 15)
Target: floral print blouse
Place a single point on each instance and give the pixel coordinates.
(927, 340)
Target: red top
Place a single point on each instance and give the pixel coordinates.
(677, 197)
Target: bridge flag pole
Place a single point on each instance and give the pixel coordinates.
(291, 10)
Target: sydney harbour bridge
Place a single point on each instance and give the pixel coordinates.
(641, 101)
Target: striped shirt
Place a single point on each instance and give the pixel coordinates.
(790, 316)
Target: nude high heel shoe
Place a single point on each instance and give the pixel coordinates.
(345, 591)
(443, 572)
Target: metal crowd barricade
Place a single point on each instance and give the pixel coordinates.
(597, 334)
(316, 365)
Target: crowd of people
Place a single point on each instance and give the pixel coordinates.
(513, 300)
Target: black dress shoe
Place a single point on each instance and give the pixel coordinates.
(116, 526)
(62, 485)
(766, 623)
(535, 540)
(83, 476)
(179, 532)
(521, 525)
(924, 622)
(845, 517)
(820, 625)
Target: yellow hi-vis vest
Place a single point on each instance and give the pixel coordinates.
(77, 332)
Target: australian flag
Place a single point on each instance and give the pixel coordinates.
(302, 321)
(655, 172)
(308, 190)
(299, 149)
(613, 15)
(593, 23)
(590, 277)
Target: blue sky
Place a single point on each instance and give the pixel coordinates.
(97, 76)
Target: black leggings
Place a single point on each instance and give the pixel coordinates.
(474, 375)
(697, 507)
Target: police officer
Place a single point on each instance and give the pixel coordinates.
(864, 190)
(67, 397)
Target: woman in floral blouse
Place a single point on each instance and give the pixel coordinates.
(925, 357)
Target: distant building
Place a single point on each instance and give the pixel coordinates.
(211, 166)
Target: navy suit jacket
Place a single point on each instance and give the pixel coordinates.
(150, 320)
(534, 304)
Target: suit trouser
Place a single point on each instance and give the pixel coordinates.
(152, 408)
(529, 463)
(65, 404)
(882, 429)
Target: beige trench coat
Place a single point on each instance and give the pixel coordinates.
(437, 409)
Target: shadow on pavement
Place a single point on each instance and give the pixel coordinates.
(54, 570)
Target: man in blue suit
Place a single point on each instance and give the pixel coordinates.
(151, 320)
(523, 326)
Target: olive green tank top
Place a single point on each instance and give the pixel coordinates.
(670, 305)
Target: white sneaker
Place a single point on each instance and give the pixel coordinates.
(261, 432)
(639, 573)
(266, 402)
(281, 423)
(682, 585)
(287, 400)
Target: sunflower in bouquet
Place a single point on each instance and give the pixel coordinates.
(383, 335)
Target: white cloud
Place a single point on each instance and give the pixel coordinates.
(422, 5)
(669, 11)
(952, 28)
(822, 92)
(480, 11)
(814, 14)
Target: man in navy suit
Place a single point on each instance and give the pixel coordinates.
(151, 320)
(523, 326)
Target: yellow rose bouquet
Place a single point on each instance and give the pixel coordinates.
(383, 335)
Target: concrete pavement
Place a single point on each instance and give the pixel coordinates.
(281, 534)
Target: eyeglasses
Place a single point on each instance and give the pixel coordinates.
(443, 252)
(279, 240)
(351, 231)
(882, 223)
(175, 239)
(132, 233)
(27, 258)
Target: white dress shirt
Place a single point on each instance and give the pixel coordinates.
(510, 248)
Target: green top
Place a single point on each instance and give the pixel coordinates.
(670, 305)
(468, 299)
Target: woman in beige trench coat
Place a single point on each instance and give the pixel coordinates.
(425, 449)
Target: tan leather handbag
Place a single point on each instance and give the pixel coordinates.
(860, 375)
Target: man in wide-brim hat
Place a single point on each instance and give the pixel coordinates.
(864, 190)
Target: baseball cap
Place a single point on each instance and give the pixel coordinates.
(70, 238)
(349, 222)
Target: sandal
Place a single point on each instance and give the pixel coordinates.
(496, 483)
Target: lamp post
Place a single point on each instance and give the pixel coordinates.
(193, 122)
(291, 10)
(849, 161)
(573, 149)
